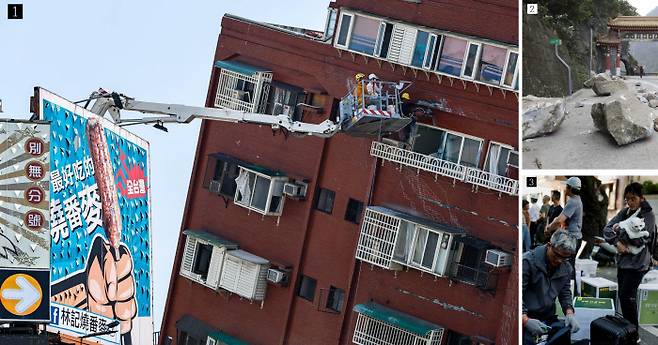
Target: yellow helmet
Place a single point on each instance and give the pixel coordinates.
(359, 76)
(405, 96)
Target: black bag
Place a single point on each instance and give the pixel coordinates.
(613, 330)
(560, 334)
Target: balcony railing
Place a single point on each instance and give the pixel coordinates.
(445, 168)
(371, 331)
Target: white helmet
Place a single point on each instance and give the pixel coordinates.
(372, 76)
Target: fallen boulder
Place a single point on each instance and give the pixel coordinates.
(608, 87)
(650, 96)
(623, 117)
(600, 77)
(653, 103)
(542, 116)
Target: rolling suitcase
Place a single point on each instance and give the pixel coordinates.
(613, 330)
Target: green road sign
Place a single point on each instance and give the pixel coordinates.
(555, 40)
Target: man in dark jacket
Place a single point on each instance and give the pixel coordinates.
(631, 267)
(546, 275)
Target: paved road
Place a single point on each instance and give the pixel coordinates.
(577, 144)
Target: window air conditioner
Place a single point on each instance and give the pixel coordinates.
(498, 258)
(295, 190)
(277, 276)
(215, 186)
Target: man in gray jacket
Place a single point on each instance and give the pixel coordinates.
(546, 275)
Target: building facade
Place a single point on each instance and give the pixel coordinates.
(391, 238)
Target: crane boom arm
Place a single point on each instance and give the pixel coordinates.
(114, 103)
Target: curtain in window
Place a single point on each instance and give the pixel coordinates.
(494, 154)
(364, 35)
(452, 56)
(451, 147)
(244, 189)
(491, 64)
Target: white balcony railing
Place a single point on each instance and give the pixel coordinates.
(370, 331)
(445, 168)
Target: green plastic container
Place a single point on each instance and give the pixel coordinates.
(648, 304)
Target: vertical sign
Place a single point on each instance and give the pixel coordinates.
(100, 218)
(24, 220)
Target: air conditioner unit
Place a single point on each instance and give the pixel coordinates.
(215, 186)
(277, 276)
(498, 258)
(295, 190)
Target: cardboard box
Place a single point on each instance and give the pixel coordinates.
(647, 301)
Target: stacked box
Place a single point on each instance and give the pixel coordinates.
(598, 287)
(647, 301)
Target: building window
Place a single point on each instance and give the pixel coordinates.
(353, 212)
(335, 299)
(306, 288)
(364, 35)
(420, 49)
(384, 39)
(510, 71)
(284, 99)
(220, 175)
(390, 238)
(471, 58)
(345, 25)
(202, 256)
(330, 28)
(450, 146)
(500, 159)
(452, 56)
(492, 62)
(469, 265)
(324, 200)
(260, 192)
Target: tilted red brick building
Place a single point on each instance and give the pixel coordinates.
(390, 243)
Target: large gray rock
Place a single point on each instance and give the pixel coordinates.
(623, 117)
(653, 103)
(542, 116)
(608, 87)
(600, 77)
(650, 96)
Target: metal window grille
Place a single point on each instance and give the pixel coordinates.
(229, 94)
(369, 331)
(379, 233)
(445, 168)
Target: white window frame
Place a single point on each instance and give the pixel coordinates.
(349, 30)
(516, 69)
(429, 51)
(275, 187)
(461, 147)
(435, 258)
(509, 147)
(330, 32)
(502, 77)
(379, 33)
(476, 62)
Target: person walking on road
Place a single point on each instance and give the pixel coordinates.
(641, 71)
(534, 217)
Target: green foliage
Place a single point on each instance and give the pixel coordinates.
(577, 12)
(648, 187)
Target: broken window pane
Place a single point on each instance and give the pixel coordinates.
(452, 56)
(364, 35)
(344, 29)
(491, 64)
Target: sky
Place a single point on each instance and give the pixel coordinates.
(158, 51)
(643, 6)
